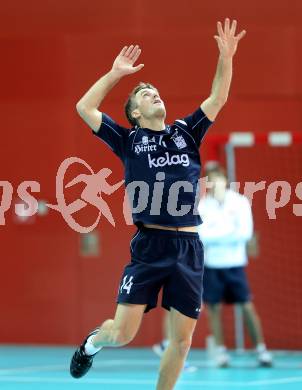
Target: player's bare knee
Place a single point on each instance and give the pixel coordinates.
(183, 346)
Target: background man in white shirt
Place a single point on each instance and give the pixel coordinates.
(227, 226)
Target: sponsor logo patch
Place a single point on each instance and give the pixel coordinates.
(179, 140)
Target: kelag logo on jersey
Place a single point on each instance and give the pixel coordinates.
(174, 159)
(144, 145)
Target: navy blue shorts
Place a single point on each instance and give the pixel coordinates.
(228, 285)
(172, 260)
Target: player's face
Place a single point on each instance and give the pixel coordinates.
(149, 104)
(219, 185)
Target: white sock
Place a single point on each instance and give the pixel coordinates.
(260, 347)
(90, 349)
(165, 343)
(221, 349)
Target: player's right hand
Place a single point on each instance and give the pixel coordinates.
(124, 62)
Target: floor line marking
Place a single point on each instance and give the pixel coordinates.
(150, 381)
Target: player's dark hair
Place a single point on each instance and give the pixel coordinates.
(130, 104)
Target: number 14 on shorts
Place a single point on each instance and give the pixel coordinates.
(126, 284)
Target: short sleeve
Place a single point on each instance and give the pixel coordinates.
(196, 124)
(113, 135)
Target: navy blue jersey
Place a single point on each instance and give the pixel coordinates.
(162, 168)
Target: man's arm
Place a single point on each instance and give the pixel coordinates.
(87, 106)
(227, 44)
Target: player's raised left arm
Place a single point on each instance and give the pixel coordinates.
(227, 43)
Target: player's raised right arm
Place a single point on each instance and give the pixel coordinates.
(88, 105)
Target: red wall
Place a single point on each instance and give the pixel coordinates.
(50, 54)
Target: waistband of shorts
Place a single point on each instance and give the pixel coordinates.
(171, 233)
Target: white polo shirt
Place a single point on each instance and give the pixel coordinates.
(225, 230)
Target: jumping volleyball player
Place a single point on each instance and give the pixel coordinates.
(166, 251)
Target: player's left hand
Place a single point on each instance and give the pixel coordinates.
(226, 39)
